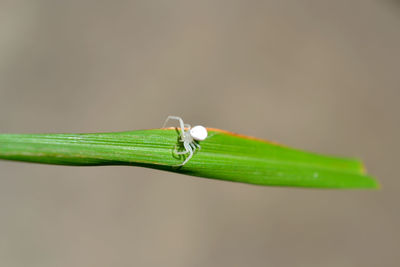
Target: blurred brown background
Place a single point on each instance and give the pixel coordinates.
(318, 75)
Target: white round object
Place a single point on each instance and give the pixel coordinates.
(199, 133)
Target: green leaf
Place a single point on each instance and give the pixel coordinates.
(223, 155)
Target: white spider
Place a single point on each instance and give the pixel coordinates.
(188, 137)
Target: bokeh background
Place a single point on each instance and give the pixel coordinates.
(317, 75)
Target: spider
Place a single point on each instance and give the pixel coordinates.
(188, 137)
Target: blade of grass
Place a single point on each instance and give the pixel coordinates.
(223, 155)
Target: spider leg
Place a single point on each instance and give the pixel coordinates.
(180, 152)
(188, 148)
(178, 119)
(199, 146)
(193, 146)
